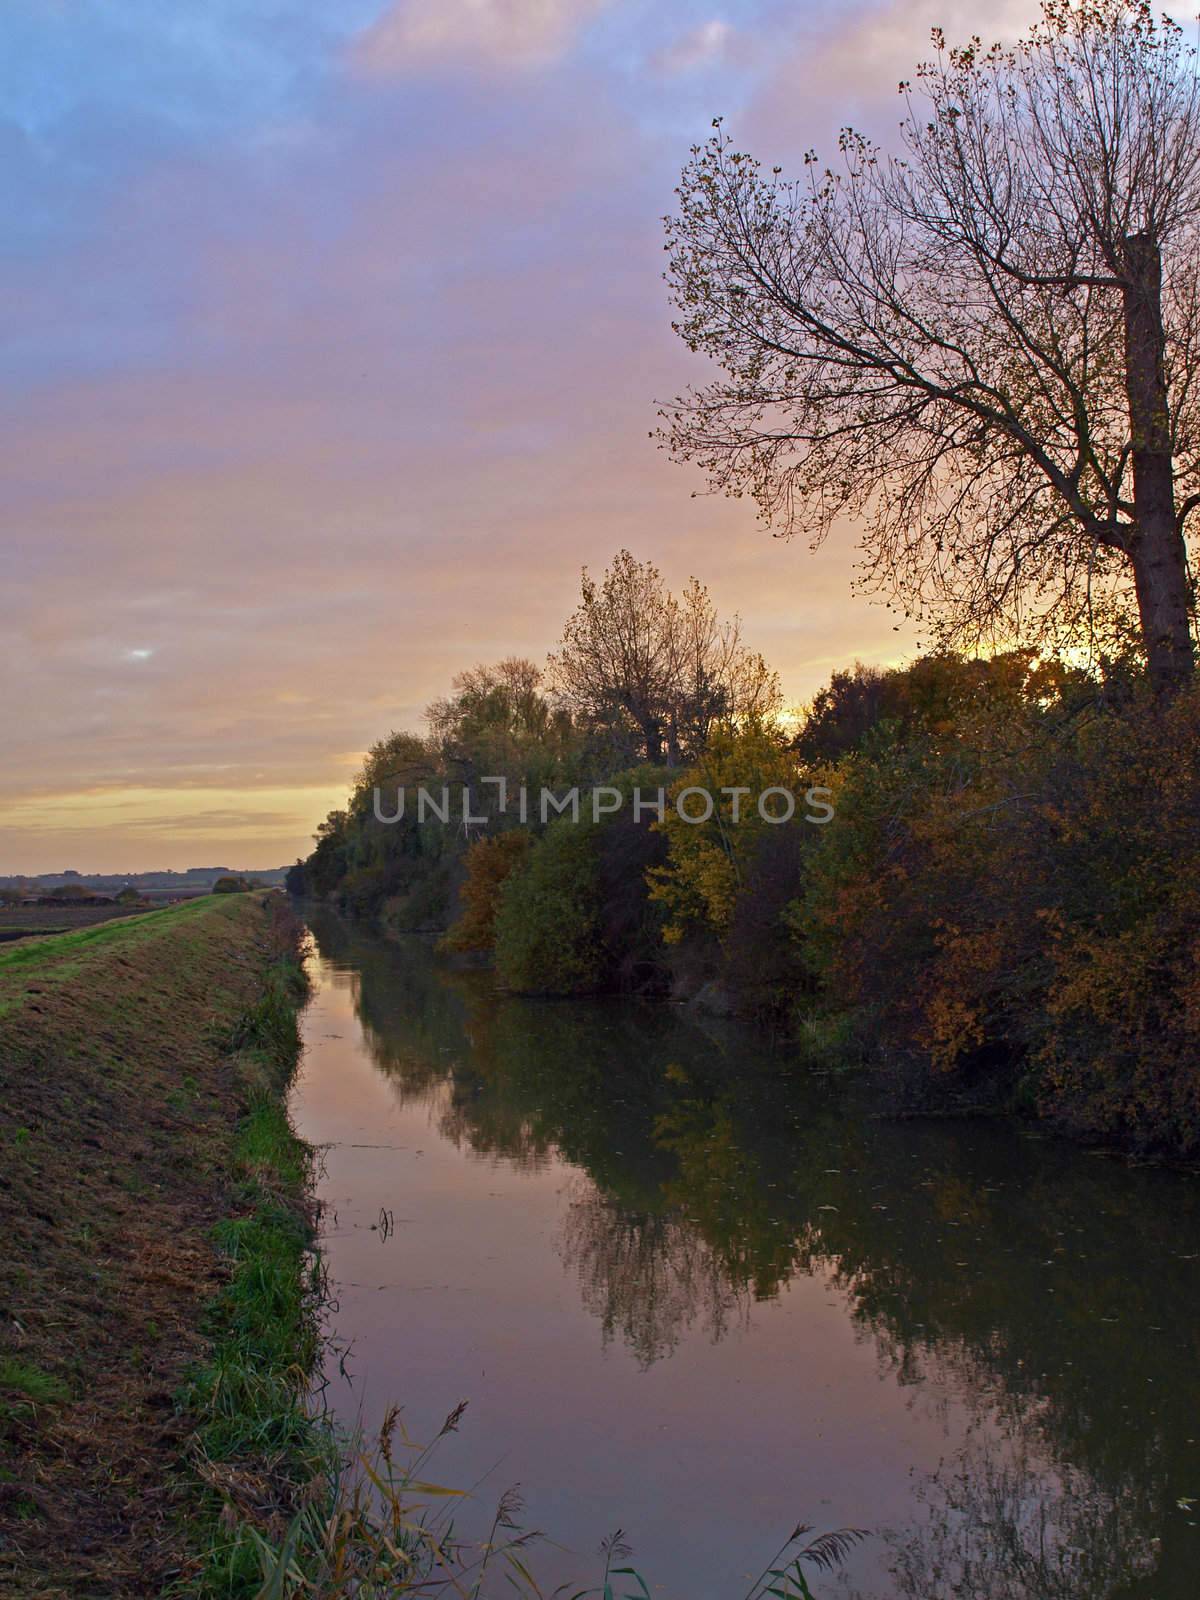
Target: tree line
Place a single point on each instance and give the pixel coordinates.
(1002, 912)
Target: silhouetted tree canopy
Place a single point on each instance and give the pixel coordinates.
(984, 349)
(654, 668)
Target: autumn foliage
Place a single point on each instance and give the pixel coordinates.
(1011, 894)
(1001, 911)
(1005, 906)
(488, 864)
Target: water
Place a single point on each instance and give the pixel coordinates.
(696, 1296)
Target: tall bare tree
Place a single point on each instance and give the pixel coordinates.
(635, 659)
(984, 348)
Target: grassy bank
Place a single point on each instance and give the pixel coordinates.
(157, 1304)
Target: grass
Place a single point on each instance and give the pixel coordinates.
(379, 1530)
(258, 1446)
(145, 1164)
(59, 953)
(29, 1383)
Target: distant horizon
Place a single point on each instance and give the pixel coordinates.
(8, 878)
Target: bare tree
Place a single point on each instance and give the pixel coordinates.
(635, 658)
(985, 348)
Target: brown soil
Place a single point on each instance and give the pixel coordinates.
(117, 1114)
(24, 922)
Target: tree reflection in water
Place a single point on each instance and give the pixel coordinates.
(646, 1277)
(1002, 1525)
(1057, 1294)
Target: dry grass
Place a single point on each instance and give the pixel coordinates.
(118, 1112)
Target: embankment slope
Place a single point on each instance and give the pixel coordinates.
(121, 1096)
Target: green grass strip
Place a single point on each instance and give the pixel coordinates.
(250, 1396)
(48, 950)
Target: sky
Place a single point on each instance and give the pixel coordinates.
(333, 338)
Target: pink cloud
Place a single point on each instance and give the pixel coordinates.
(826, 78)
(501, 33)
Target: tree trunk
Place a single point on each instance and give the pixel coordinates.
(1157, 550)
(652, 734)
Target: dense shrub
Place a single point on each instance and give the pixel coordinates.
(424, 896)
(407, 873)
(577, 915)
(762, 969)
(1118, 1050)
(1014, 899)
(487, 867)
(631, 923)
(326, 865)
(707, 860)
(548, 938)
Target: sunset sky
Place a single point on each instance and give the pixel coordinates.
(334, 336)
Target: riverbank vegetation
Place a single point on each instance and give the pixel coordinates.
(1001, 910)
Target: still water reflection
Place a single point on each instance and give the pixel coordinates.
(701, 1298)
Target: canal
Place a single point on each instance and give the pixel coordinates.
(694, 1293)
